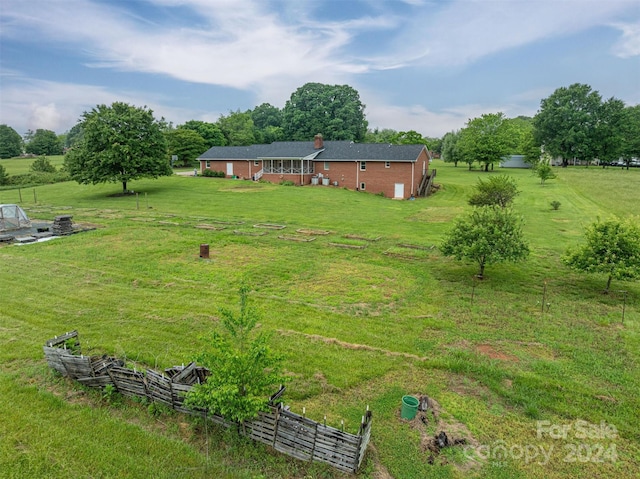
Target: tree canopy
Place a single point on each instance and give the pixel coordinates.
(612, 247)
(10, 142)
(630, 133)
(450, 150)
(120, 143)
(210, 132)
(565, 125)
(486, 139)
(44, 142)
(335, 111)
(485, 236)
(187, 145)
(238, 128)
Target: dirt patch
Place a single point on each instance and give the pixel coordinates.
(490, 351)
(437, 433)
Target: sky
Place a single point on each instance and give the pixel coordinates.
(423, 65)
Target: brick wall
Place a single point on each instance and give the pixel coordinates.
(377, 178)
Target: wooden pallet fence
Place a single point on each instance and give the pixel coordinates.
(128, 382)
(285, 431)
(77, 366)
(159, 388)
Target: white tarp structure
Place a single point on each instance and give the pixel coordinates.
(12, 217)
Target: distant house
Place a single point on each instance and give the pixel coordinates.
(514, 161)
(397, 171)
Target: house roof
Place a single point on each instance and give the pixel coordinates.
(331, 151)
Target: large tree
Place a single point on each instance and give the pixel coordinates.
(521, 132)
(335, 111)
(10, 142)
(565, 125)
(450, 150)
(486, 139)
(187, 145)
(630, 134)
(74, 135)
(267, 121)
(211, 132)
(238, 128)
(121, 143)
(486, 235)
(612, 247)
(608, 134)
(44, 142)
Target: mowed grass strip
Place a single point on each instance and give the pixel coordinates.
(533, 341)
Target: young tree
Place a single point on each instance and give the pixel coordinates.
(487, 235)
(10, 142)
(244, 370)
(543, 169)
(120, 143)
(335, 111)
(44, 142)
(486, 139)
(496, 191)
(42, 165)
(612, 247)
(187, 145)
(566, 122)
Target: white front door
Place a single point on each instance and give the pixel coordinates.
(229, 169)
(399, 190)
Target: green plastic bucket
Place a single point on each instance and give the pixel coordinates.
(409, 407)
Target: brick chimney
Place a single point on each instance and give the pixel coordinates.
(317, 142)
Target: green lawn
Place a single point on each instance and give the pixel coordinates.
(358, 327)
(18, 166)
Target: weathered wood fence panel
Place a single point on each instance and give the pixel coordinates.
(285, 431)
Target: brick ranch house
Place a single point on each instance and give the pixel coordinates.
(397, 171)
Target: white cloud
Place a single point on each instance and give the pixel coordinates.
(467, 30)
(629, 45)
(32, 104)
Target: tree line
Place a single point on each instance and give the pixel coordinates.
(573, 123)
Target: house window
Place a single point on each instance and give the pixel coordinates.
(363, 186)
(256, 163)
(387, 164)
(207, 164)
(363, 166)
(326, 165)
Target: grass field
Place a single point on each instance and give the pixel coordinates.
(358, 327)
(17, 166)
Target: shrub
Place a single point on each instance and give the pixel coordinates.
(3, 176)
(42, 165)
(286, 183)
(38, 178)
(555, 204)
(498, 190)
(214, 174)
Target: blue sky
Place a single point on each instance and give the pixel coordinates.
(424, 65)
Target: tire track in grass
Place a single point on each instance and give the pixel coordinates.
(346, 345)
